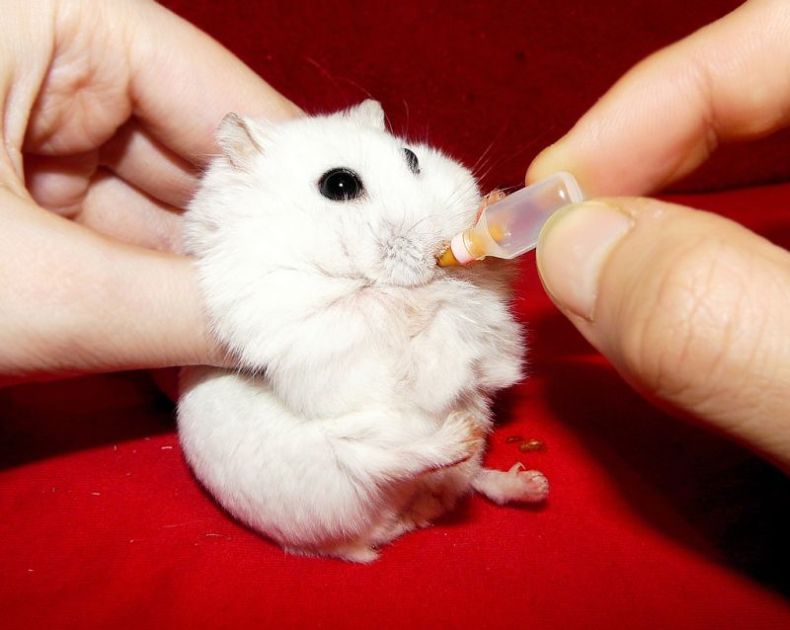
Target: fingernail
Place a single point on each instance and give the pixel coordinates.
(573, 248)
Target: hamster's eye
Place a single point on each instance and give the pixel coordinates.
(412, 161)
(340, 184)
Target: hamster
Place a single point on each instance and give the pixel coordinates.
(363, 399)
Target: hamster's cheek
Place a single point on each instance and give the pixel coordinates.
(339, 248)
(452, 186)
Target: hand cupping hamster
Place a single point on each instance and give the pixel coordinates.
(364, 400)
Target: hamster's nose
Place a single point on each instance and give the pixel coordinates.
(407, 261)
(403, 248)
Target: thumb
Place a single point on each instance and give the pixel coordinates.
(691, 308)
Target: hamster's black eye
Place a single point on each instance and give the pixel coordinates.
(412, 161)
(340, 184)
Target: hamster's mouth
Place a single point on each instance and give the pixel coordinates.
(447, 257)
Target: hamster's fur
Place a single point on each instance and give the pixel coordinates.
(363, 401)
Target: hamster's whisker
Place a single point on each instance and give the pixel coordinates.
(380, 242)
(408, 119)
(483, 155)
(487, 155)
(417, 223)
(480, 176)
(456, 197)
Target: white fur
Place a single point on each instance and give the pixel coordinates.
(369, 369)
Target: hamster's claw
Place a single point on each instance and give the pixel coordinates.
(489, 200)
(446, 258)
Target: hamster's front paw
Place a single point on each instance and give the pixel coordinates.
(489, 200)
(462, 437)
(429, 503)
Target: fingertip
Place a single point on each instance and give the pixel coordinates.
(550, 160)
(169, 90)
(568, 155)
(573, 248)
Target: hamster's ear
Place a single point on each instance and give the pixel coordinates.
(368, 113)
(240, 139)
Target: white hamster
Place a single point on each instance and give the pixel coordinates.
(363, 401)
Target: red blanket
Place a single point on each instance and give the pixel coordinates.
(651, 522)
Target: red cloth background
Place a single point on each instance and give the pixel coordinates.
(652, 523)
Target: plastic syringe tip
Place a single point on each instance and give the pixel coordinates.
(448, 259)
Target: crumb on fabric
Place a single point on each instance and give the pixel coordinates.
(532, 445)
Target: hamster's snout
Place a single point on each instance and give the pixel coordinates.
(402, 247)
(408, 260)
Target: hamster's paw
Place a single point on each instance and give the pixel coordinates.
(517, 484)
(530, 485)
(428, 505)
(385, 533)
(461, 437)
(359, 553)
(490, 199)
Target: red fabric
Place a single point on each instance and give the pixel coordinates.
(652, 523)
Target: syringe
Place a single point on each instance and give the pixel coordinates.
(510, 227)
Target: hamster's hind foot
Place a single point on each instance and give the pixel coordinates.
(517, 484)
(359, 553)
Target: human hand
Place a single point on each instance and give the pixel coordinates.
(109, 115)
(690, 308)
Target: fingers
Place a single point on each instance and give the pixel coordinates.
(136, 157)
(60, 184)
(119, 210)
(113, 61)
(689, 307)
(75, 187)
(183, 83)
(728, 81)
(74, 301)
